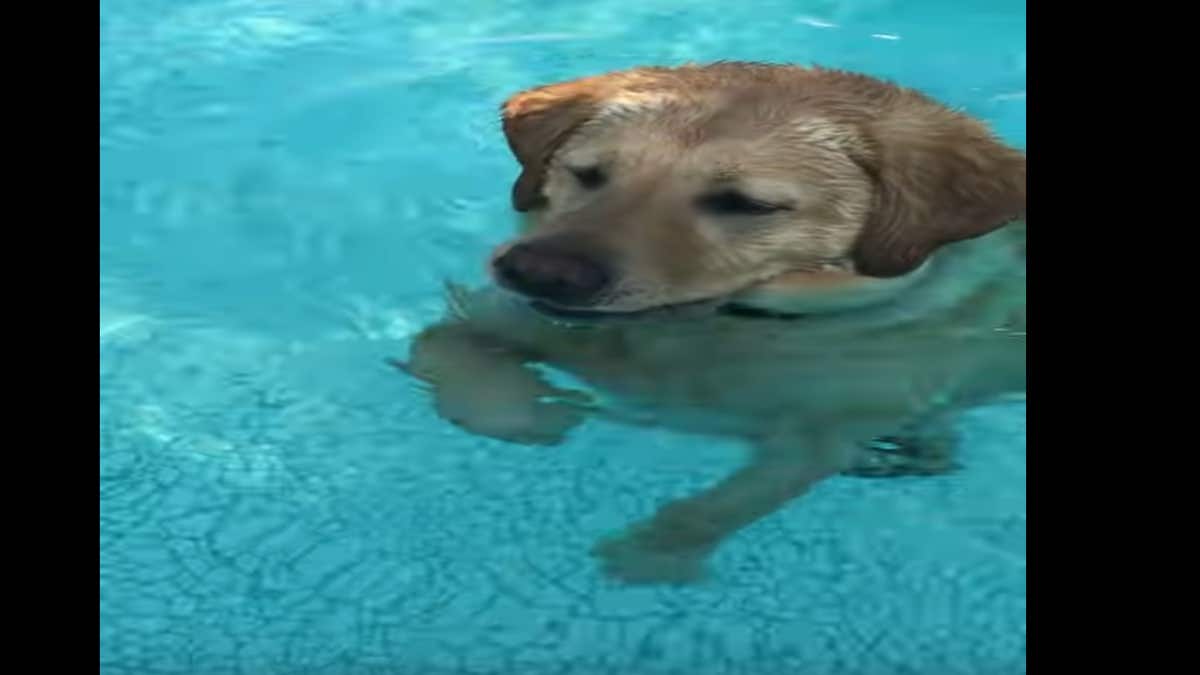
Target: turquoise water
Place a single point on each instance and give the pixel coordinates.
(283, 187)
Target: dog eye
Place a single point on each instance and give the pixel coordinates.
(590, 177)
(734, 203)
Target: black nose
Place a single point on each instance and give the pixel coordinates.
(547, 274)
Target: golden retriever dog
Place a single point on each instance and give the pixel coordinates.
(828, 266)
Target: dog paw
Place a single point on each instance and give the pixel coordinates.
(897, 456)
(632, 560)
(515, 419)
(663, 550)
(483, 386)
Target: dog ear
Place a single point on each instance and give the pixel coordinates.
(940, 177)
(538, 121)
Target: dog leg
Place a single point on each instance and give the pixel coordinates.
(927, 447)
(485, 387)
(674, 544)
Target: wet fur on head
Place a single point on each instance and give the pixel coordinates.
(877, 177)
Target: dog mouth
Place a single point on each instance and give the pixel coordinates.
(694, 309)
(690, 309)
(730, 304)
(787, 295)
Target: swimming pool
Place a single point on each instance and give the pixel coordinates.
(284, 186)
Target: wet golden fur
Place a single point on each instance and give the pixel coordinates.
(888, 262)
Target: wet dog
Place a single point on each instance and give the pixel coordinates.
(824, 264)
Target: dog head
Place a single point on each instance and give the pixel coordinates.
(660, 187)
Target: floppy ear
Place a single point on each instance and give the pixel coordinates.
(940, 177)
(536, 123)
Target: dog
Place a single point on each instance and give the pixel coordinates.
(826, 265)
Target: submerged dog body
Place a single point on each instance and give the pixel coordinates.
(806, 259)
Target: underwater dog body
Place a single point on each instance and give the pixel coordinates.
(805, 259)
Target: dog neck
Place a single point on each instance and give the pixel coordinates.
(804, 294)
(945, 278)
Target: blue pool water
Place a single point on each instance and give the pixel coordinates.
(283, 186)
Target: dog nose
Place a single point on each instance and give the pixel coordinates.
(546, 274)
